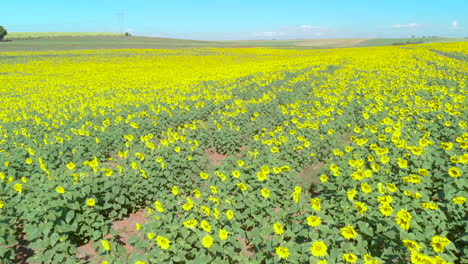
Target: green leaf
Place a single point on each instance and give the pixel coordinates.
(96, 235)
(239, 205)
(392, 234)
(364, 228)
(31, 231)
(69, 216)
(334, 255)
(46, 227)
(133, 239)
(74, 205)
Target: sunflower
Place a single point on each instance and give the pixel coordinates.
(163, 242)
(361, 207)
(315, 203)
(351, 194)
(282, 252)
(278, 227)
(205, 210)
(411, 245)
(150, 235)
(90, 202)
(313, 221)
(438, 243)
(105, 244)
(265, 192)
(386, 209)
(71, 165)
(242, 186)
(190, 223)
(319, 249)
(175, 190)
(223, 234)
(402, 163)
(236, 174)
(205, 226)
(229, 214)
(159, 206)
(350, 258)
(366, 188)
(207, 241)
(446, 145)
(348, 232)
(204, 175)
(403, 219)
(213, 189)
(60, 190)
(454, 172)
(261, 176)
(459, 200)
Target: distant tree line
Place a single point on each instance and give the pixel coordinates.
(413, 36)
(407, 42)
(3, 33)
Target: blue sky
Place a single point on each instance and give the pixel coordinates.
(242, 19)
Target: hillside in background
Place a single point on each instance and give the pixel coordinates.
(37, 41)
(36, 35)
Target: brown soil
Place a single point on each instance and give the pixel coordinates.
(309, 177)
(125, 229)
(245, 251)
(215, 157)
(23, 253)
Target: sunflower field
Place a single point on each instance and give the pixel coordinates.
(354, 155)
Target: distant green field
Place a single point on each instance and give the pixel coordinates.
(28, 35)
(98, 42)
(406, 41)
(38, 41)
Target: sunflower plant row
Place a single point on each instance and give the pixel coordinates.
(331, 156)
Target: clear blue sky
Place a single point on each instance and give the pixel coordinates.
(241, 19)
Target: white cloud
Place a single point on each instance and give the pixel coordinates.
(455, 24)
(269, 34)
(406, 26)
(310, 28)
(291, 32)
